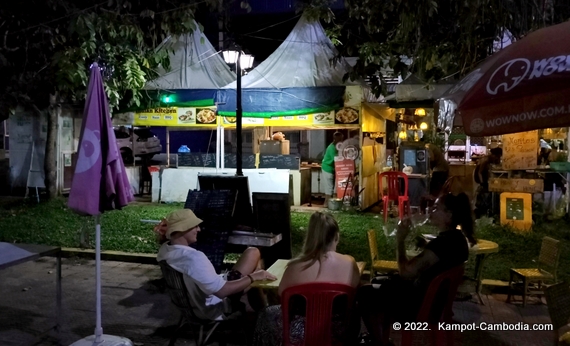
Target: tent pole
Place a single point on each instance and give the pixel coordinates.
(218, 146)
(167, 147)
(98, 328)
(222, 149)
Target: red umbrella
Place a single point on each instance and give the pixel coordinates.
(100, 182)
(524, 87)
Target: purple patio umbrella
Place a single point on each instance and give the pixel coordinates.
(100, 182)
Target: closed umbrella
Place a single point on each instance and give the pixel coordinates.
(100, 183)
(523, 87)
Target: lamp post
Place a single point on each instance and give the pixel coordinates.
(244, 61)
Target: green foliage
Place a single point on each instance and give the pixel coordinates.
(49, 50)
(122, 230)
(435, 39)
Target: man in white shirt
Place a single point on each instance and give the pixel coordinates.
(208, 291)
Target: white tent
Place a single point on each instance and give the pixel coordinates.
(298, 78)
(195, 64)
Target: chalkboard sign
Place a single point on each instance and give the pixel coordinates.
(230, 161)
(279, 161)
(196, 160)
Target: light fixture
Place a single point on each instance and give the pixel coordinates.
(230, 56)
(420, 112)
(246, 61)
(423, 125)
(403, 135)
(242, 62)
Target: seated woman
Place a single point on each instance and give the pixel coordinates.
(319, 262)
(207, 290)
(399, 297)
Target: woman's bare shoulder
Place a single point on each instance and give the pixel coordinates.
(347, 258)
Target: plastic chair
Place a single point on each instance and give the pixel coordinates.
(393, 182)
(558, 301)
(179, 296)
(377, 264)
(442, 289)
(548, 259)
(319, 297)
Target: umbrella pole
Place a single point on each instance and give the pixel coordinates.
(98, 328)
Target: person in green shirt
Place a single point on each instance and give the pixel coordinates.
(327, 166)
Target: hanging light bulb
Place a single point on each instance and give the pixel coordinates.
(420, 112)
(423, 125)
(402, 135)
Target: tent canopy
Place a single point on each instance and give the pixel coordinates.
(197, 72)
(298, 78)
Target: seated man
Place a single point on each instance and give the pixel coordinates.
(208, 291)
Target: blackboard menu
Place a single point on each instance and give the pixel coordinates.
(280, 161)
(230, 161)
(196, 160)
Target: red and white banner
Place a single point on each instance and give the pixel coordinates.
(344, 175)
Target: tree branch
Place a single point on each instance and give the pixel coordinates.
(5, 46)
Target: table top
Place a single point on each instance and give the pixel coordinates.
(13, 254)
(277, 269)
(484, 247)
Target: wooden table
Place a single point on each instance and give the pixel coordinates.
(481, 251)
(277, 269)
(14, 254)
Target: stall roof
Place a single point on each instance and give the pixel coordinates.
(298, 78)
(302, 60)
(195, 64)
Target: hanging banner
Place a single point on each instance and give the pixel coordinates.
(177, 117)
(344, 176)
(344, 116)
(206, 117)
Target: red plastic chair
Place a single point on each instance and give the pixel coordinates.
(319, 297)
(446, 282)
(393, 182)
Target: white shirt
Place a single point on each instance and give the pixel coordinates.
(544, 144)
(200, 278)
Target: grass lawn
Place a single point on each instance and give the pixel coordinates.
(54, 224)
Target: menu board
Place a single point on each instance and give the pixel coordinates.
(279, 161)
(520, 150)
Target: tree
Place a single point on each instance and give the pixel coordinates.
(48, 47)
(441, 38)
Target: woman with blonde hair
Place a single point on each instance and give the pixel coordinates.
(318, 262)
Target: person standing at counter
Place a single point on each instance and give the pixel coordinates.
(327, 166)
(545, 150)
(439, 169)
(483, 199)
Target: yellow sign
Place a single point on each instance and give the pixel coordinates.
(205, 117)
(177, 117)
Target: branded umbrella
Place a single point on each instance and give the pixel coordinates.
(100, 182)
(525, 86)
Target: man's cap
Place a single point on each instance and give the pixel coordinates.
(181, 221)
